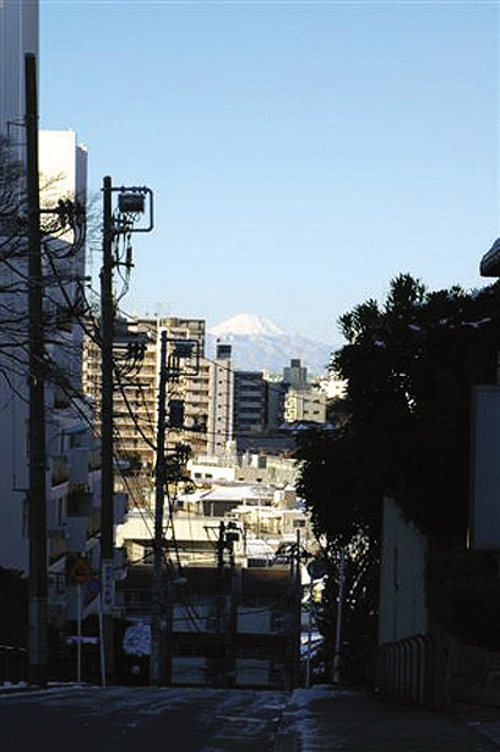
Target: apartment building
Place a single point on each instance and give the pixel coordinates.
(220, 425)
(249, 402)
(295, 374)
(308, 405)
(137, 351)
(303, 401)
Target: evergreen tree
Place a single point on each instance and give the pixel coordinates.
(410, 365)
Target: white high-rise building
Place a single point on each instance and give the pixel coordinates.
(18, 35)
(72, 459)
(68, 437)
(221, 402)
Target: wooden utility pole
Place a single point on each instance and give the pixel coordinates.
(37, 502)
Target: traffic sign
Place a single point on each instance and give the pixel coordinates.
(80, 570)
(317, 568)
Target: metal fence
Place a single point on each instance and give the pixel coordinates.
(403, 669)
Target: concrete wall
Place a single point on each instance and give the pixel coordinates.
(464, 673)
(439, 671)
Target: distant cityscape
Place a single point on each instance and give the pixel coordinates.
(202, 485)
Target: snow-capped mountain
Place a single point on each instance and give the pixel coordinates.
(247, 324)
(258, 344)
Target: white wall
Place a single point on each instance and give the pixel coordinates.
(18, 34)
(402, 609)
(59, 154)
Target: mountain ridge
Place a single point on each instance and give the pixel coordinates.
(259, 344)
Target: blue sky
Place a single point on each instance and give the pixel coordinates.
(301, 153)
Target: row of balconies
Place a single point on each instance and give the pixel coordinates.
(75, 466)
(82, 522)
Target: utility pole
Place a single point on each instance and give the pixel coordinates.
(160, 667)
(232, 625)
(338, 626)
(156, 667)
(297, 599)
(107, 465)
(37, 502)
(131, 204)
(220, 610)
(309, 631)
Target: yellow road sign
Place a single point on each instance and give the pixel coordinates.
(80, 570)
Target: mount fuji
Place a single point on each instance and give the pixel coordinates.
(258, 344)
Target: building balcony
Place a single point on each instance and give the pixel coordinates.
(61, 399)
(79, 503)
(59, 469)
(57, 547)
(119, 508)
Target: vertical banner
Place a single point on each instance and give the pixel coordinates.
(108, 586)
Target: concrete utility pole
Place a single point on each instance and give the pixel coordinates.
(131, 204)
(37, 502)
(107, 468)
(157, 664)
(297, 598)
(160, 666)
(338, 626)
(220, 609)
(232, 624)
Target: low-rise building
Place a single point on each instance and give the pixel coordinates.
(231, 627)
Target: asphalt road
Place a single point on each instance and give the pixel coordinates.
(137, 719)
(322, 719)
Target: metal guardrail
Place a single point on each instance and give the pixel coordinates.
(403, 669)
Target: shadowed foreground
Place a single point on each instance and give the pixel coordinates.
(207, 720)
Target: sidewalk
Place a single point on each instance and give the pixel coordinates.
(328, 719)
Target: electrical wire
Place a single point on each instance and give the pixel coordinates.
(60, 377)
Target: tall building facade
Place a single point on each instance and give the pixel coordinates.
(137, 355)
(295, 374)
(73, 457)
(249, 402)
(303, 401)
(18, 35)
(220, 423)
